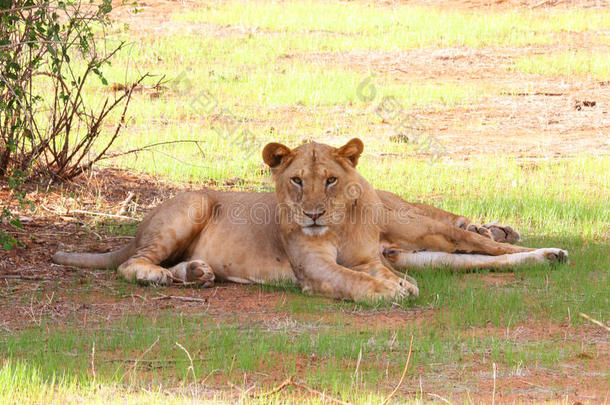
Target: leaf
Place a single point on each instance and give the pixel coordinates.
(7, 241)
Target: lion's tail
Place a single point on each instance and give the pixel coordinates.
(95, 260)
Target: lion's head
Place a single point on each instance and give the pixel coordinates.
(317, 185)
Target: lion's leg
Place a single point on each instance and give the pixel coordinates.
(164, 236)
(403, 259)
(396, 204)
(316, 269)
(440, 215)
(493, 230)
(415, 232)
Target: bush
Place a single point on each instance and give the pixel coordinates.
(48, 53)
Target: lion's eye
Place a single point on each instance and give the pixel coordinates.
(331, 180)
(296, 180)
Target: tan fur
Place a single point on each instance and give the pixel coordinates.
(325, 227)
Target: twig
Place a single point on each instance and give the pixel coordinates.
(277, 389)
(244, 392)
(68, 212)
(402, 377)
(178, 297)
(125, 203)
(321, 394)
(551, 3)
(50, 298)
(355, 376)
(290, 382)
(152, 145)
(445, 400)
(33, 314)
(542, 3)
(191, 367)
(135, 363)
(12, 10)
(537, 386)
(23, 277)
(595, 321)
(537, 93)
(120, 237)
(181, 281)
(209, 375)
(93, 361)
(100, 214)
(144, 361)
(493, 394)
(127, 95)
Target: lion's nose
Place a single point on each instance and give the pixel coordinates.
(314, 215)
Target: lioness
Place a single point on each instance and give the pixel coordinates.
(325, 227)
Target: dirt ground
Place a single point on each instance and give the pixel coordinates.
(32, 288)
(554, 117)
(548, 120)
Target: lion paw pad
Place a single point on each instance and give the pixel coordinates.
(502, 233)
(199, 272)
(555, 256)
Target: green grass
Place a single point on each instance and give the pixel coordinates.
(567, 197)
(538, 293)
(569, 63)
(399, 26)
(271, 83)
(61, 360)
(24, 384)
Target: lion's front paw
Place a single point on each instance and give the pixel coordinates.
(200, 273)
(411, 288)
(389, 290)
(153, 275)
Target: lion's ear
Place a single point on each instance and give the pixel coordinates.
(274, 152)
(351, 151)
